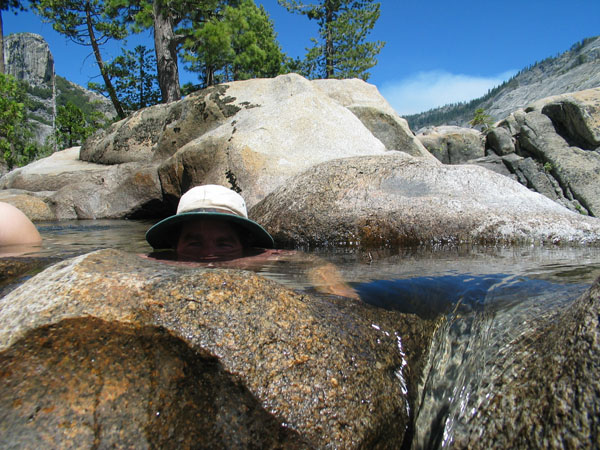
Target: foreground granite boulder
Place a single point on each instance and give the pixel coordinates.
(396, 200)
(550, 382)
(111, 349)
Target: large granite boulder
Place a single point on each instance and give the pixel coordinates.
(453, 145)
(253, 135)
(111, 349)
(365, 101)
(248, 135)
(395, 200)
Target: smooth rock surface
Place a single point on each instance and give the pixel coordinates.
(395, 200)
(62, 186)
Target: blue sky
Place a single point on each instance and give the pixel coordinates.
(436, 52)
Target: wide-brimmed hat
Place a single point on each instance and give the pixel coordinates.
(208, 201)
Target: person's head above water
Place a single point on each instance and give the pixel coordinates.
(211, 223)
(15, 227)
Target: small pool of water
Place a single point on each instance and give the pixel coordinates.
(411, 280)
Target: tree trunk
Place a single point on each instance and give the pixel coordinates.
(109, 87)
(328, 40)
(165, 45)
(2, 69)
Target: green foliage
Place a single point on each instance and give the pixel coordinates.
(40, 91)
(173, 22)
(72, 128)
(237, 43)
(548, 167)
(341, 49)
(17, 5)
(134, 77)
(70, 93)
(15, 137)
(481, 119)
(73, 19)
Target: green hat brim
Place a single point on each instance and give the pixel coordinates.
(164, 233)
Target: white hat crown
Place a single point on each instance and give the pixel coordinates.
(211, 197)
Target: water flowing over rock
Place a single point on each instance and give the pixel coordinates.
(531, 378)
(396, 200)
(109, 348)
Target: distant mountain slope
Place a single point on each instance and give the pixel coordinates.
(574, 70)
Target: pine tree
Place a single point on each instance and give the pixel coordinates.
(172, 22)
(341, 49)
(237, 43)
(134, 77)
(84, 23)
(71, 127)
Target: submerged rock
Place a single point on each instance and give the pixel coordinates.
(108, 348)
(539, 388)
(395, 200)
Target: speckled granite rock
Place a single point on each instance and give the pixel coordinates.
(109, 348)
(542, 390)
(396, 200)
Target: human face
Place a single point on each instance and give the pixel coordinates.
(208, 239)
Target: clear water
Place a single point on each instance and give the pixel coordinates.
(490, 297)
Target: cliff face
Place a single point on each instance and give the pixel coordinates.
(574, 70)
(28, 59)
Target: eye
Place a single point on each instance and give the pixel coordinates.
(226, 244)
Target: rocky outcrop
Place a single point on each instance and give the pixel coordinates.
(28, 58)
(250, 136)
(556, 146)
(396, 200)
(253, 135)
(109, 348)
(64, 187)
(576, 69)
(453, 145)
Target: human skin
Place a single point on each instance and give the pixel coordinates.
(16, 228)
(208, 239)
(214, 243)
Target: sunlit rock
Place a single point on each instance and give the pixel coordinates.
(395, 200)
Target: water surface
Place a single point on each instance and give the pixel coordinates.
(489, 296)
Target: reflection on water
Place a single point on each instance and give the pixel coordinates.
(489, 297)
